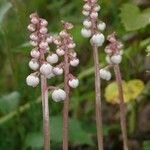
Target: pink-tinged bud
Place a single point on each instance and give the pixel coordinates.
(43, 22)
(33, 64)
(58, 71)
(57, 42)
(71, 45)
(35, 20)
(43, 45)
(46, 69)
(49, 39)
(35, 53)
(85, 13)
(63, 34)
(34, 37)
(31, 27)
(60, 52)
(43, 30)
(34, 43)
(74, 62)
(94, 15)
(108, 50)
(87, 7)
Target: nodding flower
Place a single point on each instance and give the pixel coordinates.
(92, 26)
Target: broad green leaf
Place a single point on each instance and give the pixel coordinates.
(146, 145)
(5, 6)
(9, 102)
(34, 140)
(132, 18)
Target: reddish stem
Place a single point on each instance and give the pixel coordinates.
(98, 99)
(66, 101)
(122, 106)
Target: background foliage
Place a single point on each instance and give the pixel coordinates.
(20, 106)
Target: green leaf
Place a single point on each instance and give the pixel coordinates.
(146, 145)
(34, 140)
(76, 133)
(9, 102)
(4, 8)
(132, 18)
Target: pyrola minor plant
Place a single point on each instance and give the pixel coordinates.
(65, 47)
(92, 29)
(113, 58)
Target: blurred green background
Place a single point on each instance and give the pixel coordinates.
(20, 105)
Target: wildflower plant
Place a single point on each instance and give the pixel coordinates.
(93, 29)
(65, 47)
(114, 54)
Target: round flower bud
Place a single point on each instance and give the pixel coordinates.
(116, 59)
(94, 15)
(97, 39)
(43, 22)
(85, 13)
(32, 80)
(58, 95)
(43, 30)
(33, 43)
(73, 54)
(87, 23)
(97, 8)
(50, 76)
(52, 59)
(74, 62)
(101, 26)
(35, 53)
(43, 45)
(34, 20)
(86, 33)
(58, 71)
(108, 50)
(57, 42)
(34, 37)
(46, 69)
(31, 28)
(104, 74)
(33, 64)
(86, 7)
(49, 39)
(71, 45)
(63, 34)
(60, 52)
(74, 83)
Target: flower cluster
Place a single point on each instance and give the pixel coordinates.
(65, 44)
(92, 26)
(114, 54)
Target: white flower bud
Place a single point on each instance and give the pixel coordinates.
(34, 37)
(94, 15)
(49, 39)
(32, 80)
(74, 83)
(97, 8)
(87, 23)
(58, 71)
(58, 95)
(116, 59)
(63, 34)
(43, 30)
(97, 39)
(43, 22)
(104, 74)
(86, 7)
(60, 52)
(86, 33)
(85, 13)
(73, 54)
(50, 76)
(108, 60)
(74, 62)
(52, 59)
(35, 53)
(43, 45)
(34, 20)
(33, 43)
(33, 64)
(101, 26)
(31, 28)
(71, 45)
(46, 69)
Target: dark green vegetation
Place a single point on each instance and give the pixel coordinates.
(20, 106)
